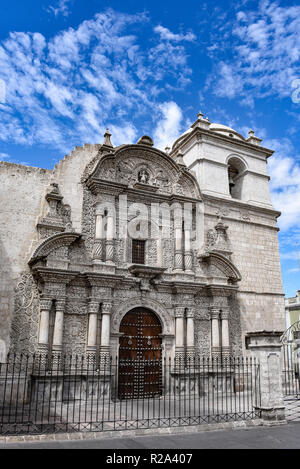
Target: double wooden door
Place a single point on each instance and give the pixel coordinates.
(140, 354)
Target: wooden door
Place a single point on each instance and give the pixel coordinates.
(140, 367)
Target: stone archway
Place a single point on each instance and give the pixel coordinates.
(123, 307)
(140, 355)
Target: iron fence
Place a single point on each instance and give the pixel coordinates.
(290, 370)
(49, 394)
(291, 379)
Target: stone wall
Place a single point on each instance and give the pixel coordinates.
(21, 189)
(253, 237)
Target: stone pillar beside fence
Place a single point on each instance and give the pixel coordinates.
(266, 347)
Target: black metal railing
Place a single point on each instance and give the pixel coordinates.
(291, 369)
(48, 394)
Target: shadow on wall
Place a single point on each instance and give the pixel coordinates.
(6, 299)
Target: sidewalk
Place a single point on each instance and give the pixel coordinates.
(282, 437)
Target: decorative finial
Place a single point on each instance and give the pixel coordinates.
(179, 159)
(167, 150)
(200, 115)
(253, 139)
(107, 140)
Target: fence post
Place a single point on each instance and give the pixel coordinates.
(266, 347)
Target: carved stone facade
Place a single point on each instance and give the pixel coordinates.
(74, 280)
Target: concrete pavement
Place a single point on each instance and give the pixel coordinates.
(281, 437)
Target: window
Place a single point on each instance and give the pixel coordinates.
(138, 251)
(236, 173)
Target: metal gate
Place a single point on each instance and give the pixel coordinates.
(291, 371)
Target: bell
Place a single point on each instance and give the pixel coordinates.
(231, 182)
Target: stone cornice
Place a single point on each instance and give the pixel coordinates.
(105, 187)
(99, 279)
(221, 290)
(216, 138)
(240, 204)
(49, 275)
(102, 186)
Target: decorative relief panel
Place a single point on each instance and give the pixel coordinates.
(25, 323)
(136, 165)
(75, 334)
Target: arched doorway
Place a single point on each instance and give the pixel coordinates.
(140, 353)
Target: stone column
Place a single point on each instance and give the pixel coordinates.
(188, 259)
(59, 325)
(98, 244)
(159, 247)
(93, 309)
(109, 245)
(105, 331)
(225, 332)
(190, 330)
(45, 307)
(178, 265)
(266, 348)
(215, 331)
(179, 332)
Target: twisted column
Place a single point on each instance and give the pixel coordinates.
(188, 259)
(109, 245)
(98, 244)
(159, 247)
(178, 265)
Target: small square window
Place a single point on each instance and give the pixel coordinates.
(138, 251)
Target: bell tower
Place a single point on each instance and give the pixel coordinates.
(226, 164)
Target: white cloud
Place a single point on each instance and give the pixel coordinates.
(292, 271)
(68, 89)
(62, 7)
(4, 156)
(166, 34)
(284, 168)
(169, 125)
(265, 50)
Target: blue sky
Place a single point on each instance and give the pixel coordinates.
(71, 68)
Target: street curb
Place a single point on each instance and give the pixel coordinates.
(139, 433)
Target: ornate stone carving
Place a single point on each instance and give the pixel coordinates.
(58, 217)
(131, 164)
(156, 307)
(179, 312)
(106, 308)
(25, 323)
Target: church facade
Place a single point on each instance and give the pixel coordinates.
(133, 252)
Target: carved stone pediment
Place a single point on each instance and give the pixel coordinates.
(141, 165)
(219, 266)
(54, 251)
